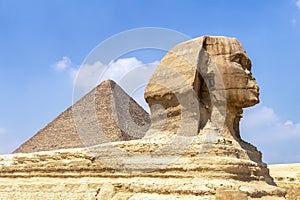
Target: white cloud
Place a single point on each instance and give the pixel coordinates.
(87, 76)
(298, 4)
(288, 123)
(129, 73)
(260, 116)
(63, 64)
(277, 139)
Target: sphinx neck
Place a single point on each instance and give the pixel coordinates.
(232, 121)
(227, 120)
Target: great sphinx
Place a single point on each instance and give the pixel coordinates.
(196, 96)
(193, 148)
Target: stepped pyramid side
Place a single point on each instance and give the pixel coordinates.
(100, 116)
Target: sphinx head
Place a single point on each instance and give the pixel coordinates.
(234, 67)
(207, 79)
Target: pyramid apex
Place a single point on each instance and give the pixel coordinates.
(106, 83)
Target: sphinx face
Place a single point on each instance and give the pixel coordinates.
(235, 69)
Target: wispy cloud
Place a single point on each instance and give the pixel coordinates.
(63, 64)
(298, 4)
(9, 145)
(278, 139)
(87, 76)
(259, 116)
(9, 141)
(2, 131)
(264, 118)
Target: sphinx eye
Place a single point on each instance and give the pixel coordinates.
(241, 59)
(236, 58)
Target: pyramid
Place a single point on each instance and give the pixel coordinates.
(105, 114)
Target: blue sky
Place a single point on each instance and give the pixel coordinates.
(43, 43)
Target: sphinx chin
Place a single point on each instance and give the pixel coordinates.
(252, 102)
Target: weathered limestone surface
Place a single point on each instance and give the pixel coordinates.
(193, 149)
(100, 116)
(75, 181)
(77, 174)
